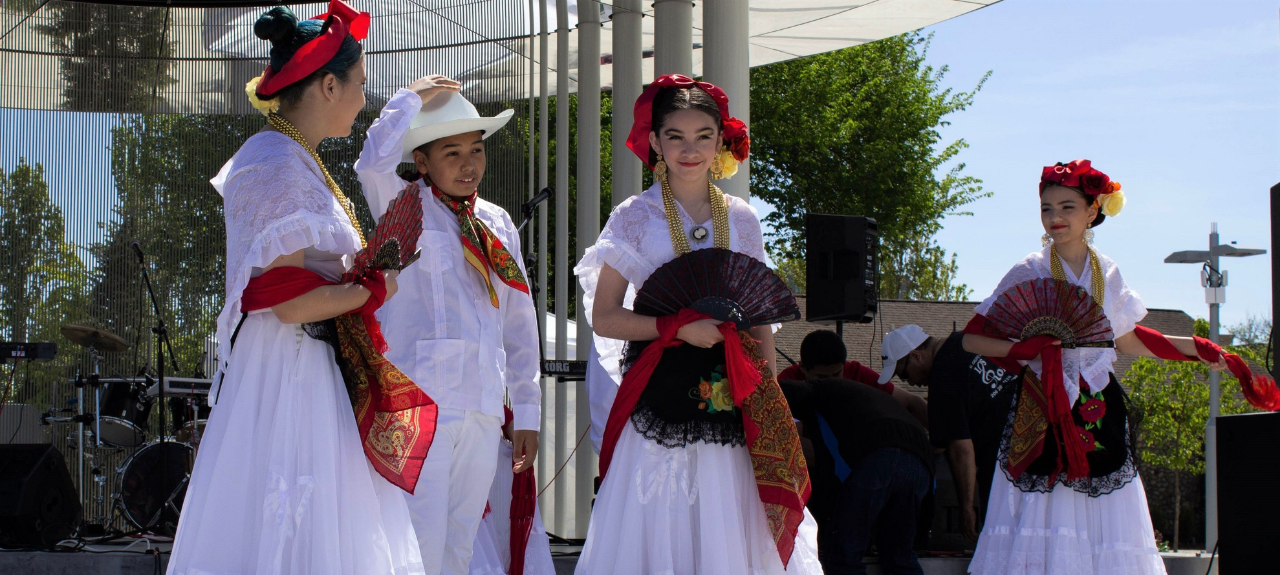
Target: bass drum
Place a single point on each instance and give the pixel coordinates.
(153, 483)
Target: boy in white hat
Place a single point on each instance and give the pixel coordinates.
(463, 325)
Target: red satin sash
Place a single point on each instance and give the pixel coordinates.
(1259, 391)
(396, 419)
(782, 476)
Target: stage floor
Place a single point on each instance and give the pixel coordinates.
(148, 558)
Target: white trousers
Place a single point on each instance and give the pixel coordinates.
(453, 488)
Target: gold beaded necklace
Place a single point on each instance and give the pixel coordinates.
(280, 123)
(1095, 270)
(719, 218)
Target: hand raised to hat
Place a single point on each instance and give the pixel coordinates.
(428, 86)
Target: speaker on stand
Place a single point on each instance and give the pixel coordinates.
(38, 503)
(841, 268)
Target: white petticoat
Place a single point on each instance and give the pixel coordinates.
(687, 510)
(1065, 532)
(281, 484)
(491, 554)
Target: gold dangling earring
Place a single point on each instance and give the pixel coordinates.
(1088, 235)
(1045, 240)
(717, 167)
(660, 169)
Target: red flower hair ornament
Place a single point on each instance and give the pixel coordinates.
(1080, 174)
(732, 130)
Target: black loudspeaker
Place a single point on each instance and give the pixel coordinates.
(1248, 503)
(1275, 245)
(38, 503)
(841, 268)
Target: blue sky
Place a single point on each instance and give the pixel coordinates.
(1177, 100)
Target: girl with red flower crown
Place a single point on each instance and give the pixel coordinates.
(679, 490)
(1066, 497)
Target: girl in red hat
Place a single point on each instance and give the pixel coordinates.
(282, 484)
(684, 492)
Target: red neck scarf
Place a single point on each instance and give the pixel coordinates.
(482, 248)
(782, 476)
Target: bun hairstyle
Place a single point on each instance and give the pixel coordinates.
(281, 27)
(671, 100)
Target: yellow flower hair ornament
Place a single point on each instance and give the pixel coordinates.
(724, 165)
(266, 107)
(1112, 203)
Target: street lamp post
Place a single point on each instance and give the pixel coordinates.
(1214, 281)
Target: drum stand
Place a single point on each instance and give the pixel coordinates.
(81, 418)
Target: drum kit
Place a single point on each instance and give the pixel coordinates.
(153, 479)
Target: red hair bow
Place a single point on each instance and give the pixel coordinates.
(341, 20)
(732, 130)
(1077, 174)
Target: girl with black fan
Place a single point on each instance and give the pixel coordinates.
(701, 464)
(1066, 497)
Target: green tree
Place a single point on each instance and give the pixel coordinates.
(161, 165)
(42, 281)
(855, 132)
(1174, 398)
(41, 265)
(116, 57)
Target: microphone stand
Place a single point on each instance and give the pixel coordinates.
(162, 343)
(531, 259)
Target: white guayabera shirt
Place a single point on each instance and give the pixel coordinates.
(441, 327)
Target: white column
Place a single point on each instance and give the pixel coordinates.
(588, 194)
(628, 56)
(545, 468)
(725, 63)
(673, 37)
(562, 254)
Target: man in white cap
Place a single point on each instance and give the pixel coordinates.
(463, 325)
(969, 397)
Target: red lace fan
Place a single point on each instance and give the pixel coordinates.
(393, 245)
(723, 284)
(1050, 307)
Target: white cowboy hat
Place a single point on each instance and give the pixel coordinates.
(449, 114)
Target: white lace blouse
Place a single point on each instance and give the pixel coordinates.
(635, 241)
(276, 203)
(1121, 305)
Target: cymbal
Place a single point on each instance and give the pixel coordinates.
(99, 339)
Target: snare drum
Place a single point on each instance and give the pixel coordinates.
(154, 481)
(123, 414)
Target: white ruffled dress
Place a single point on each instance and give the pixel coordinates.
(281, 484)
(691, 509)
(1067, 531)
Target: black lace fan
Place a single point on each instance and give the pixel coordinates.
(723, 284)
(1047, 306)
